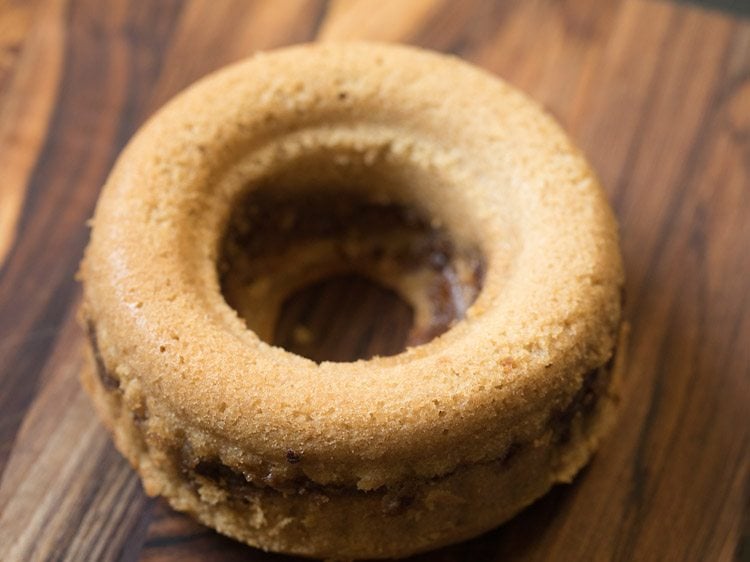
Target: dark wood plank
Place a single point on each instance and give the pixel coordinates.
(658, 96)
(344, 318)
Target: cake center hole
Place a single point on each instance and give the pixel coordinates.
(337, 276)
(344, 318)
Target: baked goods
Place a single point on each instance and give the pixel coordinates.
(432, 176)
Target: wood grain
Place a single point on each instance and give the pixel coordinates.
(657, 94)
(27, 87)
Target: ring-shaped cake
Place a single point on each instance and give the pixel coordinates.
(413, 168)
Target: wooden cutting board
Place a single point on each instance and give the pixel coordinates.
(656, 93)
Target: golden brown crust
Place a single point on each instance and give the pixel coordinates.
(478, 156)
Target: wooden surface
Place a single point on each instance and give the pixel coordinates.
(656, 93)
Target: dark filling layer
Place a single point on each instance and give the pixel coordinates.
(594, 385)
(242, 485)
(277, 242)
(108, 381)
(242, 488)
